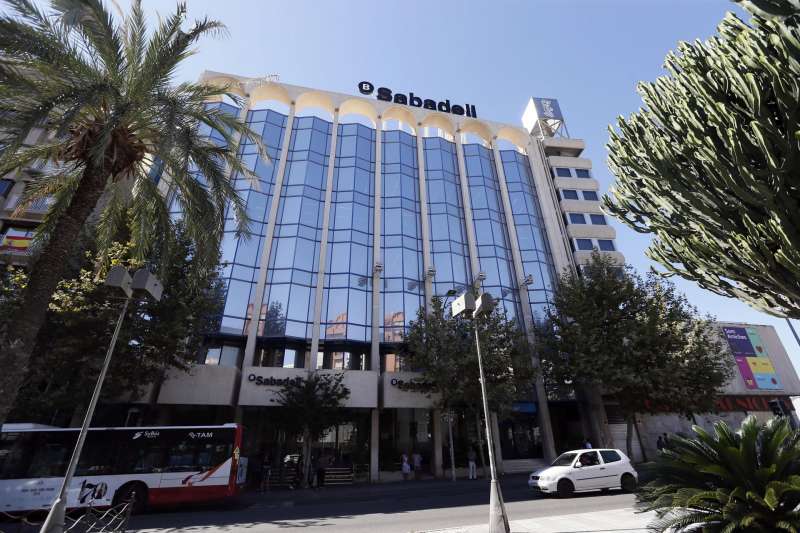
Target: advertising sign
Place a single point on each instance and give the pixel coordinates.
(752, 358)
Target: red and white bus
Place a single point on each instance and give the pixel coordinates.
(162, 465)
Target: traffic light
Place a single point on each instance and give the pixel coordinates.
(777, 408)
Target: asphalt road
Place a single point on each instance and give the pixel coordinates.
(397, 507)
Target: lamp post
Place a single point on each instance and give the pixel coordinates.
(473, 308)
(143, 281)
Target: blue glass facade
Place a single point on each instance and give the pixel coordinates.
(346, 308)
(491, 236)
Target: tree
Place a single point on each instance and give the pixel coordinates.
(156, 336)
(104, 95)
(637, 340)
(709, 165)
(311, 405)
(443, 349)
(747, 481)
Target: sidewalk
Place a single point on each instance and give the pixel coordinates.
(614, 521)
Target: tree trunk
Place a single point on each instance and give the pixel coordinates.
(629, 438)
(601, 434)
(306, 459)
(452, 451)
(639, 438)
(479, 428)
(17, 345)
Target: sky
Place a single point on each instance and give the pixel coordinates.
(494, 54)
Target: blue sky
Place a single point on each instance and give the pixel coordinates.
(589, 54)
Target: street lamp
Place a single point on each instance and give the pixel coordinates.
(471, 307)
(143, 281)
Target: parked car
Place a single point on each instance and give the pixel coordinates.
(582, 470)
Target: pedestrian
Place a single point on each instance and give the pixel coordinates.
(313, 472)
(320, 473)
(473, 468)
(266, 472)
(587, 444)
(405, 467)
(416, 459)
(666, 442)
(660, 443)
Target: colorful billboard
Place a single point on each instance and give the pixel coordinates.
(752, 358)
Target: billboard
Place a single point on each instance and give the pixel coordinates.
(752, 358)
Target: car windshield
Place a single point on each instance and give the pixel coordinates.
(565, 459)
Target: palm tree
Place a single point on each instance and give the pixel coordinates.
(104, 94)
(743, 481)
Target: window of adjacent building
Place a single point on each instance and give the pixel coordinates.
(280, 357)
(222, 355)
(563, 172)
(5, 187)
(606, 245)
(598, 220)
(577, 218)
(15, 239)
(584, 244)
(569, 194)
(582, 173)
(590, 195)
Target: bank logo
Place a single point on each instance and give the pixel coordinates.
(366, 87)
(145, 434)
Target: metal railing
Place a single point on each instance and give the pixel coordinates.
(86, 520)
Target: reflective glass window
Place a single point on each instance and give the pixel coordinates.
(288, 305)
(584, 244)
(569, 194)
(582, 173)
(598, 220)
(563, 172)
(577, 218)
(606, 245)
(590, 195)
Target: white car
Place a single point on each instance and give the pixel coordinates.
(581, 470)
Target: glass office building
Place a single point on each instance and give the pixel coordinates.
(362, 212)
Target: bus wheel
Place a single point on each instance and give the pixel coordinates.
(135, 490)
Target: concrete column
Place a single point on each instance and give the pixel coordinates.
(438, 468)
(323, 247)
(258, 301)
(551, 209)
(423, 211)
(467, 204)
(374, 443)
(377, 266)
(545, 425)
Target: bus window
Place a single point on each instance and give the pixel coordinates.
(97, 456)
(51, 453)
(16, 452)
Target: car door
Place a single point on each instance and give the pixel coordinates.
(591, 472)
(614, 467)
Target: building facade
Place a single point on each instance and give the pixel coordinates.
(368, 207)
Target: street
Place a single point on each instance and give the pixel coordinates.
(395, 507)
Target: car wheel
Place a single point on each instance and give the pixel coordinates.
(565, 488)
(628, 483)
(135, 491)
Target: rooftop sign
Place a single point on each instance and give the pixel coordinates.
(386, 95)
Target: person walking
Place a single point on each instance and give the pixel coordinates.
(660, 443)
(266, 472)
(472, 466)
(416, 459)
(405, 467)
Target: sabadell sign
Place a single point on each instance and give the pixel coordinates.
(385, 94)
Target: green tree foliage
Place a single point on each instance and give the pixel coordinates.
(442, 348)
(710, 164)
(103, 91)
(635, 339)
(156, 336)
(728, 481)
(311, 405)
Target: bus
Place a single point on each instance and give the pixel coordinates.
(162, 465)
